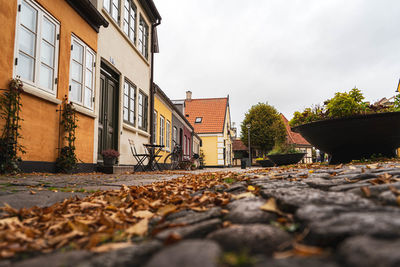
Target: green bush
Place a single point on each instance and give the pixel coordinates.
(283, 148)
(342, 105)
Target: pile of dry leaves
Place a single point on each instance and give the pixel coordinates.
(110, 216)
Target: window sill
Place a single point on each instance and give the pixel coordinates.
(31, 90)
(129, 127)
(113, 22)
(84, 111)
(135, 130)
(143, 133)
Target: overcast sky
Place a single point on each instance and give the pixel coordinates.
(289, 53)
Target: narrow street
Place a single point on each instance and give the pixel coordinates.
(345, 215)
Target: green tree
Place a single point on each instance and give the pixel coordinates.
(267, 127)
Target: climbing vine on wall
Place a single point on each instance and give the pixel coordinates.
(10, 107)
(67, 160)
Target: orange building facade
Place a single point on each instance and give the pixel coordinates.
(52, 46)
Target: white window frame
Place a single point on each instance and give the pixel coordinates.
(155, 117)
(143, 108)
(175, 135)
(162, 130)
(41, 15)
(128, 29)
(131, 108)
(188, 146)
(109, 7)
(143, 40)
(86, 50)
(168, 134)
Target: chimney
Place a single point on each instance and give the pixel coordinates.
(188, 95)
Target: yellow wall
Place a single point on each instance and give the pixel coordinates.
(209, 149)
(163, 110)
(40, 128)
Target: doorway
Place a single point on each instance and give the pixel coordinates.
(108, 110)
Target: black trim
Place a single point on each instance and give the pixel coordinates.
(151, 10)
(50, 167)
(89, 13)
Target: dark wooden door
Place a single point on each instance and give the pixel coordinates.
(108, 114)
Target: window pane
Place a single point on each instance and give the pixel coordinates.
(88, 97)
(26, 41)
(76, 71)
(126, 101)
(77, 52)
(126, 88)
(132, 19)
(89, 61)
(132, 92)
(25, 67)
(126, 14)
(115, 10)
(106, 5)
(89, 79)
(131, 35)
(132, 105)
(76, 91)
(46, 77)
(127, 4)
(28, 16)
(131, 116)
(47, 54)
(48, 31)
(126, 113)
(126, 27)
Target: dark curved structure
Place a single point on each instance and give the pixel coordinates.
(286, 159)
(356, 137)
(265, 163)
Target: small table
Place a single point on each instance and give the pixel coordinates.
(154, 151)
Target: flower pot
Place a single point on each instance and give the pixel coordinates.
(356, 137)
(286, 159)
(265, 163)
(109, 161)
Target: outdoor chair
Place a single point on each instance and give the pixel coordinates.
(140, 158)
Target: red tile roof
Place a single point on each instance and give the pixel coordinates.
(294, 138)
(238, 145)
(211, 110)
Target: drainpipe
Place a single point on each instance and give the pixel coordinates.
(152, 89)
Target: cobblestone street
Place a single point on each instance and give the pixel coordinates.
(346, 215)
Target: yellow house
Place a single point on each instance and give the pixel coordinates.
(211, 120)
(51, 45)
(162, 122)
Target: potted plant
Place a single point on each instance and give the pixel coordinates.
(348, 129)
(265, 162)
(110, 157)
(285, 154)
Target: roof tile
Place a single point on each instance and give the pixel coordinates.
(294, 138)
(211, 110)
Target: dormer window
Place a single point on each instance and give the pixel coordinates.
(198, 120)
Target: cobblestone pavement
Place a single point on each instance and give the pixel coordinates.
(325, 216)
